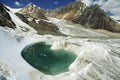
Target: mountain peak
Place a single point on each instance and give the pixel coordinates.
(31, 10)
(96, 6)
(87, 2)
(3, 7)
(32, 5)
(69, 12)
(96, 18)
(5, 19)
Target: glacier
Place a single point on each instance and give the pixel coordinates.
(97, 59)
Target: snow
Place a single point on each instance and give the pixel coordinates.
(20, 24)
(9, 75)
(96, 58)
(73, 30)
(14, 10)
(11, 53)
(30, 19)
(87, 2)
(105, 4)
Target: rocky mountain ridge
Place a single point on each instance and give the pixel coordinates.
(68, 12)
(34, 16)
(89, 17)
(31, 10)
(96, 18)
(5, 19)
(30, 16)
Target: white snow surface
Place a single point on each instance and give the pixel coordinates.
(73, 30)
(6, 73)
(97, 59)
(10, 52)
(21, 26)
(87, 2)
(14, 10)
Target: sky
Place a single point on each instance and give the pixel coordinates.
(112, 7)
(47, 4)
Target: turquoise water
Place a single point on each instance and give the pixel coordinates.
(46, 60)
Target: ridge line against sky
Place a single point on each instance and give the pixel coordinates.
(47, 4)
(112, 7)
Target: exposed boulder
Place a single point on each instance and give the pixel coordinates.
(5, 19)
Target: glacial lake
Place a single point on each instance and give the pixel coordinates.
(49, 61)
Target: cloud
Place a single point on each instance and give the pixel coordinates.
(91, 2)
(55, 2)
(17, 3)
(112, 6)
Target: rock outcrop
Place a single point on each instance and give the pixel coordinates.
(96, 18)
(33, 11)
(68, 12)
(5, 19)
(34, 17)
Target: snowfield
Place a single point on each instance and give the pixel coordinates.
(73, 30)
(97, 59)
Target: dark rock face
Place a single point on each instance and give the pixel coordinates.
(5, 19)
(2, 78)
(22, 17)
(32, 10)
(35, 13)
(43, 27)
(96, 18)
(68, 12)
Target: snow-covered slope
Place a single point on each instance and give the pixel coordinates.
(20, 25)
(98, 59)
(14, 10)
(10, 52)
(73, 30)
(6, 73)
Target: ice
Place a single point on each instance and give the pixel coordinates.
(73, 30)
(98, 59)
(21, 26)
(10, 53)
(14, 10)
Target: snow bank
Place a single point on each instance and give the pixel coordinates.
(10, 52)
(97, 59)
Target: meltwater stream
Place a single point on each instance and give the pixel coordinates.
(42, 57)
